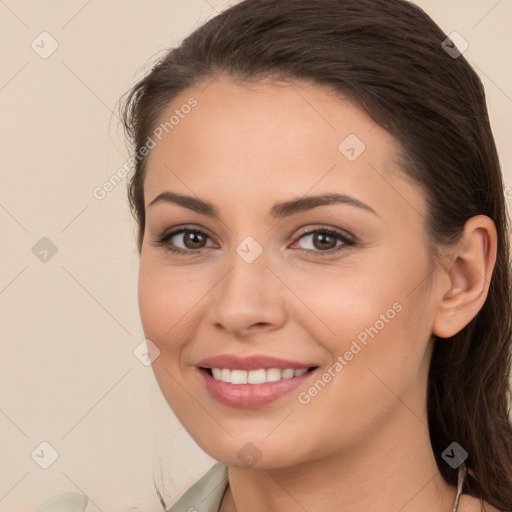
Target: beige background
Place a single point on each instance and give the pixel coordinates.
(69, 326)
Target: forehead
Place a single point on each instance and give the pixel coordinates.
(280, 139)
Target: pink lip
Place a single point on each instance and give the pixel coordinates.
(251, 395)
(232, 362)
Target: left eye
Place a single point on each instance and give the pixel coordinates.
(322, 240)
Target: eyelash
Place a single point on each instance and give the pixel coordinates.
(163, 240)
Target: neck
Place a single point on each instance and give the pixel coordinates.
(394, 470)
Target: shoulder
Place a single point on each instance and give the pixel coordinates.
(469, 503)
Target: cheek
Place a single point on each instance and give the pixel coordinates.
(166, 302)
(340, 302)
(382, 303)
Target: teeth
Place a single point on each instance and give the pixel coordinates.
(259, 376)
(287, 374)
(238, 377)
(273, 374)
(256, 376)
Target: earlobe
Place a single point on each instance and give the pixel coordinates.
(470, 272)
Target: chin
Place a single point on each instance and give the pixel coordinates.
(255, 454)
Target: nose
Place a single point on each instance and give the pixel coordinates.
(248, 299)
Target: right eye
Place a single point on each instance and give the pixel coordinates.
(193, 240)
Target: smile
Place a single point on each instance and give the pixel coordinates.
(252, 395)
(259, 376)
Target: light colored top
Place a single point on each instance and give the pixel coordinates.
(66, 502)
(206, 494)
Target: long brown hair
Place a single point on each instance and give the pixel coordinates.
(388, 56)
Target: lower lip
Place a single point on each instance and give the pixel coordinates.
(251, 395)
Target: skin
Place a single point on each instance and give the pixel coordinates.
(362, 442)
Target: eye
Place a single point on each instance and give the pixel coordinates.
(193, 241)
(324, 240)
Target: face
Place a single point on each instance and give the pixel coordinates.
(343, 288)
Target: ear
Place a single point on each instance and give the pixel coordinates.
(469, 275)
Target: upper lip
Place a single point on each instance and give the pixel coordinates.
(254, 362)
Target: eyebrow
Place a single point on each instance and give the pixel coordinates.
(278, 211)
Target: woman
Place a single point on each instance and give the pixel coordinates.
(324, 260)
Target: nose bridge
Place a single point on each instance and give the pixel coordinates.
(248, 273)
(248, 293)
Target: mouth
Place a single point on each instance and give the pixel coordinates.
(253, 377)
(251, 389)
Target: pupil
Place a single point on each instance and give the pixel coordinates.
(190, 238)
(322, 237)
